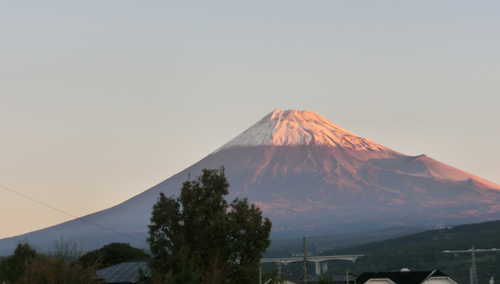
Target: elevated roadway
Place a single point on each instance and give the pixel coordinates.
(318, 260)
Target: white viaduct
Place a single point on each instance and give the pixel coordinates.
(320, 261)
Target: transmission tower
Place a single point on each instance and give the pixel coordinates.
(472, 251)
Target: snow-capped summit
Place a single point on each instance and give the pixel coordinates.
(294, 128)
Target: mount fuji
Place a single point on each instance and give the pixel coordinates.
(305, 172)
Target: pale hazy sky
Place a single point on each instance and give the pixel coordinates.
(100, 100)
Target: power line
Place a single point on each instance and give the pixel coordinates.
(71, 215)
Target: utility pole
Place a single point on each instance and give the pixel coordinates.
(473, 271)
(305, 261)
(260, 274)
(472, 251)
(316, 237)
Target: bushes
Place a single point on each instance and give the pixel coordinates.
(46, 270)
(64, 265)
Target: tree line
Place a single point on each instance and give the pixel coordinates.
(65, 264)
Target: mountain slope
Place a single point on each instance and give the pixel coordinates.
(305, 172)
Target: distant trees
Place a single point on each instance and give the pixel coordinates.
(200, 238)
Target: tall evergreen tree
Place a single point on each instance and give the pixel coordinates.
(200, 238)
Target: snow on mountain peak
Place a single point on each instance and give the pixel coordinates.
(294, 128)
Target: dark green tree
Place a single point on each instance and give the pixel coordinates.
(14, 266)
(325, 278)
(112, 254)
(200, 238)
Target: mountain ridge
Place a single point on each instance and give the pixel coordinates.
(350, 184)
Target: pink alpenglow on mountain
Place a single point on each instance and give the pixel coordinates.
(298, 162)
(306, 172)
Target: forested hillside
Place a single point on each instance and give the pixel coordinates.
(424, 251)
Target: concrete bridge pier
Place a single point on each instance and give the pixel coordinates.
(318, 267)
(321, 267)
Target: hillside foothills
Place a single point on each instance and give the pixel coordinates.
(424, 251)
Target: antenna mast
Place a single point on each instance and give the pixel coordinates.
(316, 241)
(305, 261)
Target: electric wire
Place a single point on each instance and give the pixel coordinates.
(71, 215)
